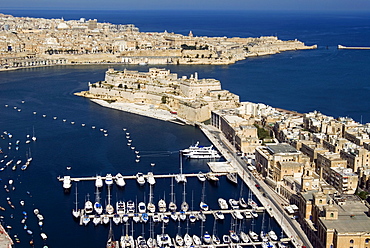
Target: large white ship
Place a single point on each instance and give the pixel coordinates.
(197, 151)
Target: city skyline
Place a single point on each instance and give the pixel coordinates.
(289, 5)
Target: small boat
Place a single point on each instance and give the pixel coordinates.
(254, 214)
(184, 206)
(125, 218)
(202, 216)
(141, 207)
(196, 240)
(109, 179)
(88, 206)
(267, 245)
(234, 237)
(232, 177)
(119, 180)
(140, 178)
(182, 215)
(130, 207)
(29, 232)
(21, 203)
(201, 176)
(253, 235)
(165, 218)
(215, 239)
(162, 206)
(136, 217)
(188, 240)
(203, 206)
(98, 182)
(43, 236)
(207, 238)
(120, 207)
(248, 215)
(242, 202)
(244, 237)
(263, 236)
(96, 219)
(192, 217)
(237, 215)
(218, 215)
(211, 177)
(144, 217)
(222, 203)
(226, 239)
(156, 218)
(67, 182)
(234, 203)
(150, 178)
(174, 216)
(272, 235)
(179, 240)
(151, 207)
(116, 219)
(98, 207)
(105, 219)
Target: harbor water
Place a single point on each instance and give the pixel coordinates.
(298, 80)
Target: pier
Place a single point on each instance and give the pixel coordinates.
(77, 179)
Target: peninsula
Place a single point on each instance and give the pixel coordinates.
(27, 42)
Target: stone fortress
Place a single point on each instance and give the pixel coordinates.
(29, 41)
(192, 99)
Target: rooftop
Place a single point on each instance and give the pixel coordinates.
(281, 148)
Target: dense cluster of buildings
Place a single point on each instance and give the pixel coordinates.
(29, 41)
(317, 162)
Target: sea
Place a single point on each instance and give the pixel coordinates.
(82, 139)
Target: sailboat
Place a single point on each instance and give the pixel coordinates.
(180, 178)
(203, 206)
(172, 205)
(76, 212)
(97, 206)
(33, 134)
(263, 235)
(184, 204)
(111, 243)
(109, 208)
(151, 205)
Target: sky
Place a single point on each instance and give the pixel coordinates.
(290, 5)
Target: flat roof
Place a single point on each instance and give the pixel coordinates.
(281, 148)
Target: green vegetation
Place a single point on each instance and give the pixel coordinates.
(362, 194)
(262, 133)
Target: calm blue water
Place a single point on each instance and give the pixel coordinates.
(330, 80)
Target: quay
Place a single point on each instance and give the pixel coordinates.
(273, 203)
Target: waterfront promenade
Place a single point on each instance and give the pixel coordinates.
(269, 199)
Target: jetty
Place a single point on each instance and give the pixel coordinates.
(353, 48)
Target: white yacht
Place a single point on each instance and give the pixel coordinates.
(120, 207)
(119, 180)
(203, 206)
(244, 237)
(162, 206)
(98, 182)
(201, 176)
(141, 207)
(207, 238)
(130, 207)
(109, 179)
(88, 206)
(218, 215)
(150, 178)
(67, 182)
(222, 203)
(197, 151)
(272, 235)
(140, 178)
(234, 203)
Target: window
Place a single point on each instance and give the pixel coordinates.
(351, 241)
(367, 241)
(331, 215)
